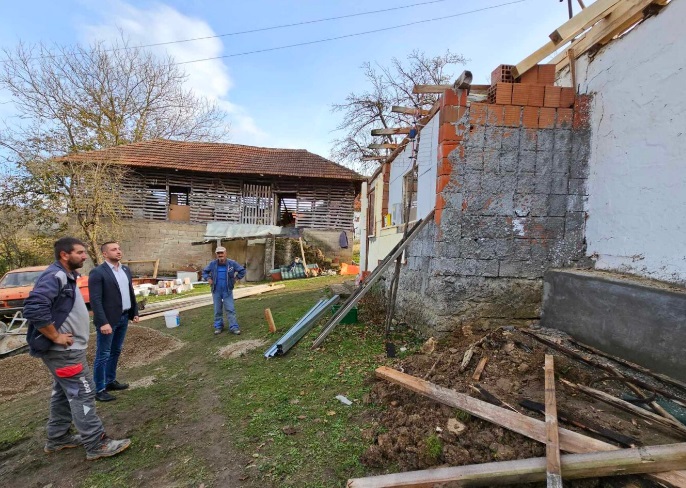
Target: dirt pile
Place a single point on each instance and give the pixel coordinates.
(24, 375)
(414, 432)
(237, 349)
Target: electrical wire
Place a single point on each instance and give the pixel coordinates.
(329, 39)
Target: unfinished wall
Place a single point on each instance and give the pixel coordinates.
(509, 205)
(168, 241)
(637, 203)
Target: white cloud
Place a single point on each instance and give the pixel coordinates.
(160, 23)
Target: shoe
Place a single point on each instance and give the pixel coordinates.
(235, 330)
(218, 331)
(108, 447)
(67, 441)
(115, 385)
(104, 396)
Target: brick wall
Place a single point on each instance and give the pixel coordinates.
(511, 186)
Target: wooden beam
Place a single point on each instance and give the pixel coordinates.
(582, 20)
(677, 428)
(575, 466)
(550, 47)
(532, 428)
(463, 81)
(552, 444)
(373, 158)
(409, 110)
(383, 146)
(621, 18)
(421, 89)
(270, 320)
(391, 131)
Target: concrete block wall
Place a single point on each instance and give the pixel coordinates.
(511, 187)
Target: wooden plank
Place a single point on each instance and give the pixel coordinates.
(383, 146)
(575, 466)
(534, 429)
(550, 47)
(391, 131)
(552, 445)
(270, 320)
(621, 18)
(373, 158)
(582, 20)
(427, 89)
(480, 368)
(409, 110)
(675, 427)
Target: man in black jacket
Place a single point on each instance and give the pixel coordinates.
(113, 303)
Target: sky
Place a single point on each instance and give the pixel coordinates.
(283, 98)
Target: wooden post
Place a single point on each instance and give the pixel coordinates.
(155, 268)
(552, 444)
(302, 253)
(270, 320)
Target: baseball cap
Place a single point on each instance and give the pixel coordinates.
(220, 249)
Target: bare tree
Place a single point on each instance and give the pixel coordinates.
(389, 86)
(82, 98)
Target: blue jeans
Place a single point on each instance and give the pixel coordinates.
(107, 351)
(223, 300)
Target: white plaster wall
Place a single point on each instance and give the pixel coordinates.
(637, 181)
(381, 245)
(427, 167)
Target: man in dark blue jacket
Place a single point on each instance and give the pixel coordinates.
(222, 274)
(58, 333)
(113, 303)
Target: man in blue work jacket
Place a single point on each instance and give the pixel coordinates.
(222, 274)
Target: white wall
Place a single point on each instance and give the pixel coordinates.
(427, 167)
(637, 181)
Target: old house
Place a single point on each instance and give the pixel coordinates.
(557, 190)
(185, 193)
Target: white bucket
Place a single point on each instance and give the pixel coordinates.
(172, 319)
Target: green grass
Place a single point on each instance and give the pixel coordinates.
(282, 409)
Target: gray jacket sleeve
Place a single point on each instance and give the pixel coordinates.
(38, 305)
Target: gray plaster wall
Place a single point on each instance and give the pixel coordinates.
(514, 207)
(639, 320)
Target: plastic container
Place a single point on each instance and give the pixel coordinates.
(275, 274)
(350, 317)
(172, 319)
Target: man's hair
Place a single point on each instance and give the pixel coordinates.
(104, 245)
(66, 244)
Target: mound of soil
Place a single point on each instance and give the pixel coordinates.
(24, 375)
(237, 349)
(414, 432)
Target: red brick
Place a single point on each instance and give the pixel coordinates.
(564, 117)
(552, 96)
(530, 117)
(438, 214)
(454, 97)
(441, 182)
(536, 95)
(451, 113)
(445, 149)
(512, 116)
(440, 201)
(496, 115)
(503, 93)
(477, 113)
(529, 77)
(520, 94)
(546, 118)
(546, 74)
(447, 133)
(582, 112)
(502, 73)
(567, 96)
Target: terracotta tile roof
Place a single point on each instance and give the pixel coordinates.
(213, 157)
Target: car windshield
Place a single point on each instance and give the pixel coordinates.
(22, 278)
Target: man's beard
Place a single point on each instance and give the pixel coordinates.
(73, 266)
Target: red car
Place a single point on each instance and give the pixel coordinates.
(16, 285)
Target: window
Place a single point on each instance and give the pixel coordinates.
(410, 193)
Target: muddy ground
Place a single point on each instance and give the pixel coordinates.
(414, 432)
(23, 375)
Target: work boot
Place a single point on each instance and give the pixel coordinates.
(67, 441)
(107, 447)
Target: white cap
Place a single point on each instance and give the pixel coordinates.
(220, 249)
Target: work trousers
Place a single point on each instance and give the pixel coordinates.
(73, 397)
(223, 301)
